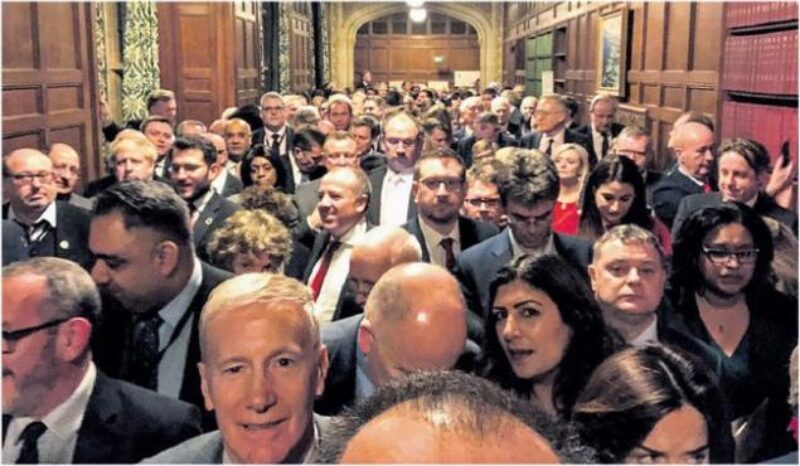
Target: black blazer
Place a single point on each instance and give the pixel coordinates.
(233, 185)
(764, 206)
(464, 146)
(14, 249)
(113, 342)
(374, 210)
(472, 233)
(214, 214)
(258, 138)
(69, 240)
(112, 130)
(586, 129)
(532, 139)
(669, 192)
(477, 267)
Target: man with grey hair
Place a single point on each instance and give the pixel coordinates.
(527, 107)
(57, 407)
(551, 117)
(528, 186)
(469, 110)
(602, 128)
(262, 364)
(414, 319)
(633, 142)
(66, 174)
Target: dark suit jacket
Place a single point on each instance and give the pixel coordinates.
(258, 138)
(14, 248)
(110, 132)
(306, 198)
(472, 233)
(341, 339)
(113, 342)
(764, 206)
(69, 240)
(372, 160)
(477, 267)
(214, 214)
(232, 185)
(587, 131)
(532, 139)
(374, 211)
(516, 122)
(669, 192)
(297, 261)
(464, 146)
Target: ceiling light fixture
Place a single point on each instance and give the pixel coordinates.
(418, 15)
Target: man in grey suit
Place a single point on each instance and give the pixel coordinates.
(262, 364)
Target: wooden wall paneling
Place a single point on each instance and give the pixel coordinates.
(247, 47)
(49, 79)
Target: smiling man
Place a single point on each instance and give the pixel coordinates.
(262, 365)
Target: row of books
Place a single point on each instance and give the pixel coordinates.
(769, 125)
(763, 63)
(743, 14)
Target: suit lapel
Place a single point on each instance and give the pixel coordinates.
(414, 229)
(316, 252)
(98, 438)
(374, 210)
(468, 231)
(206, 219)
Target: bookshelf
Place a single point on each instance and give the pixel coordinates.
(546, 52)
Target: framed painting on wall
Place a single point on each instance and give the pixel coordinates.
(612, 52)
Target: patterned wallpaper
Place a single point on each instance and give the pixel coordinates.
(283, 44)
(100, 48)
(140, 58)
(326, 50)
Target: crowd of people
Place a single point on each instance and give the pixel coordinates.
(400, 275)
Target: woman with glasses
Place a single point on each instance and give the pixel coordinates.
(722, 288)
(261, 167)
(572, 163)
(615, 194)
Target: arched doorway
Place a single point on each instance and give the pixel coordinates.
(394, 48)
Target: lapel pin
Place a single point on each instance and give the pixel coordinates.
(64, 244)
(209, 221)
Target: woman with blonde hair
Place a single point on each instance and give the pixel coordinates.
(572, 163)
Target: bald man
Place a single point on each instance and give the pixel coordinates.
(448, 417)
(66, 174)
(226, 183)
(414, 319)
(694, 146)
(50, 227)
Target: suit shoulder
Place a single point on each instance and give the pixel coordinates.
(203, 449)
(148, 402)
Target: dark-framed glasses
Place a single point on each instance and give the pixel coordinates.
(13, 336)
(721, 256)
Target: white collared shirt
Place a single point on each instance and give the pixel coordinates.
(57, 443)
(338, 270)
(649, 335)
(597, 142)
(283, 150)
(698, 182)
(558, 139)
(433, 240)
(394, 197)
(38, 230)
(519, 250)
(218, 184)
(173, 362)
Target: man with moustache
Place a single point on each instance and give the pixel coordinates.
(194, 166)
(49, 227)
(153, 288)
(66, 174)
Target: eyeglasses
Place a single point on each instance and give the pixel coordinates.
(27, 178)
(722, 256)
(271, 109)
(450, 184)
(398, 141)
(13, 336)
(478, 201)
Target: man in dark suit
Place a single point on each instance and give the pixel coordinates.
(66, 174)
(160, 102)
(526, 108)
(634, 143)
(602, 128)
(365, 130)
(551, 131)
(693, 144)
(415, 319)
(343, 199)
(194, 166)
(153, 287)
(262, 365)
(57, 407)
(487, 127)
(14, 248)
(226, 183)
(528, 185)
(743, 167)
(439, 190)
(50, 227)
(277, 136)
(392, 201)
(468, 111)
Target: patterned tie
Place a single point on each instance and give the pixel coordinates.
(324, 265)
(276, 144)
(29, 436)
(449, 257)
(145, 354)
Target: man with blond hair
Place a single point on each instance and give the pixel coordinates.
(262, 364)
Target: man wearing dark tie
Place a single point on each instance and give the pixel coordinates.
(57, 406)
(602, 128)
(278, 136)
(551, 118)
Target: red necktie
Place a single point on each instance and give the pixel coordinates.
(322, 270)
(707, 187)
